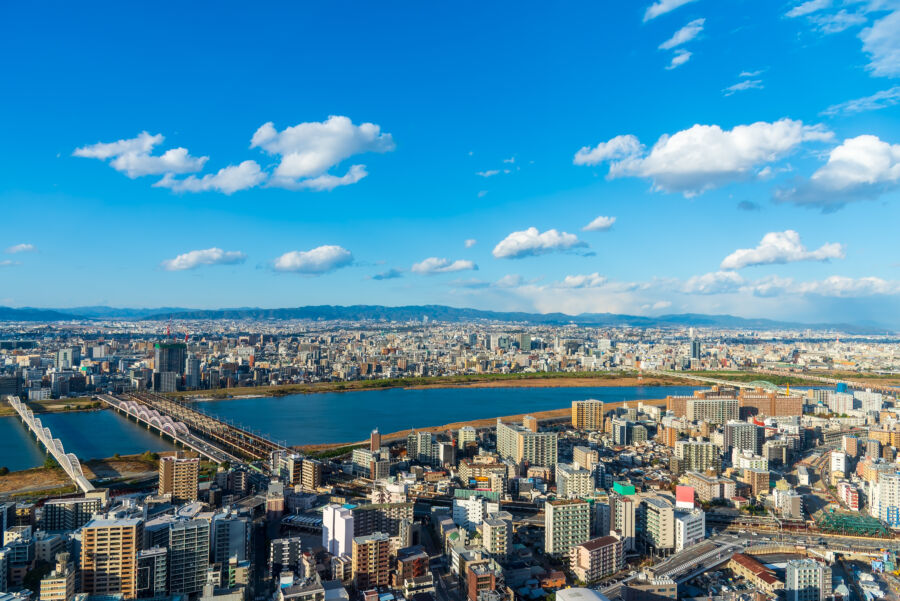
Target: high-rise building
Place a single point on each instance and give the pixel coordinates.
(496, 534)
(375, 441)
(743, 436)
(690, 527)
(587, 415)
(337, 529)
(192, 372)
(152, 572)
(623, 514)
(713, 411)
(285, 554)
(188, 556)
(659, 531)
(573, 482)
(312, 474)
(59, 585)
(470, 513)
(109, 549)
(371, 560)
(566, 523)
(467, 434)
(523, 446)
(599, 557)
(178, 476)
(807, 580)
(169, 357)
(585, 457)
(621, 430)
(230, 536)
(698, 456)
(695, 349)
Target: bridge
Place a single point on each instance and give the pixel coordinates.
(68, 461)
(166, 426)
(167, 416)
(875, 386)
(717, 382)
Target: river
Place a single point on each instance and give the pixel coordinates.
(311, 418)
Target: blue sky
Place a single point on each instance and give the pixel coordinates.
(748, 151)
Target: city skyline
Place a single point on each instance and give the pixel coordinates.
(656, 158)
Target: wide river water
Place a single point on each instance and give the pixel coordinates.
(310, 418)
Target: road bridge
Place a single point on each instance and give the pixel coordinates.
(68, 461)
(715, 381)
(166, 426)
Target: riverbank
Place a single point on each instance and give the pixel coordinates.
(45, 479)
(326, 449)
(54, 406)
(517, 380)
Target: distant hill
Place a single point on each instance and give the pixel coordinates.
(418, 312)
(30, 314)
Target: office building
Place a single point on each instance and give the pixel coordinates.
(566, 523)
(371, 557)
(169, 357)
(481, 580)
(587, 415)
(152, 572)
(597, 558)
(230, 535)
(109, 549)
(337, 529)
(69, 514)
(178, 476)
(690, 528)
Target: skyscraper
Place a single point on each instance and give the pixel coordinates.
(566, 524)
(337, 529)
(169, 356)
(188, 556)
(375, 441)
(587, 415)
(178, 476)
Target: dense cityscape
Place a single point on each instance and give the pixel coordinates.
(773, 476)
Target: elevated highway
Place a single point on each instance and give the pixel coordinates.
(68, 461)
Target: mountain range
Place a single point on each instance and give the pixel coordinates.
(418, 313)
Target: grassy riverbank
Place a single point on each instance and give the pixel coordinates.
(82, 403)
(525, 380)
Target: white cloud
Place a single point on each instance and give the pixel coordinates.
(878, 100)
(661, 305)
(808, 7)
(510, 160)
(747, 84)
(390, 274)
(434, 265)
(327, 181)
(316, 261)
(861, 168)
(9, 263)
(227, 180)
(308, 150)
(750, 73)
(482, 193)
(840, 286)
(617, 148)
(681, 56)
(531, 242)
(661, 7)
(132, 157)
(510, 280)
(20, 248)
(779, 248)
(837, 22)
(488, 173)
(600, 224)
(684, 35)
(718, 282)
(210, 256)
(704, 157)
(882, 42)
(470, 242)
(591, 280)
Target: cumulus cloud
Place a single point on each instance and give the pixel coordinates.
(661, 7)
(779, 248)
(390, 274)
(209, 256)
(510, 280)
(590, 280)
(307, 151)
(684, 35)
(860, 168)
(704, 157)
(132, 156)
(837, 22)
(20, 248)
(599, 224)
(747, 84)
(807, 8)
(717, 282)
(619, 147)
(531, 242)
(227, 180)
(470, 242)
(316, 261)
(435, 265)
(878, 100)
(881, 41)
(681, 56)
